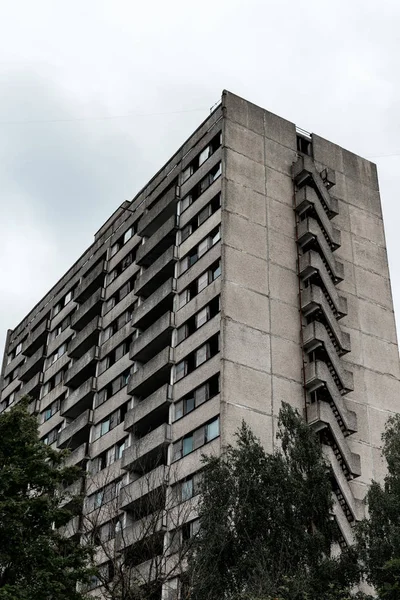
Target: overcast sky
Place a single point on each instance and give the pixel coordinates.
(96, 95)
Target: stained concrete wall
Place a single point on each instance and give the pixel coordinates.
(261, 352)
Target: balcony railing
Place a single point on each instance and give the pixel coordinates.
(153, 339)
(154, 443)
(158, 243)
(89, 284)
(79, 400)
(88, 310)
(85, 339)
(36, 338)
(83, 368)
(161, 270)
(152, 375)
(153, 307)
(150, 408)
(159, 213)
(31, 388)
(78, 456)
(143, 486)
(33, 364)
(77, 432)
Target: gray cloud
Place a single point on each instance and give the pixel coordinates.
(329, 67)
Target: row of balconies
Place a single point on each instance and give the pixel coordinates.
(326, 379)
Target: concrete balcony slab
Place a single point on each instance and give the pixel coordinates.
(311, 235)
(152, 375)
(158, 243)
(83, 368)
(153, 307)
(91, 283)
(150, 408)
(164, 208)
(88, 310)
(76, 433)
(33, 364)
(154, 443)
(161, 270)
(79, 400)
(153, 339)
(85, 339)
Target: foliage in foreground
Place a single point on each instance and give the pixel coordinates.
(36, 562)
(379, 536)
(266, 522)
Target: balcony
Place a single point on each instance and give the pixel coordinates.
(320, 416)
(153, 339)
(143, 486)
(151, 409)
(152, 525)
(158, 243)
(311, 265)
(85, 339)
(79, 400)
(82, 369)
(71, 529)
(305, 173)
(159, 213)
(307, 201)
(161, 270)
(149, 377)
(149, 450)
(36, 338)
(31, 388)
(77, 457)
(155, 305)
(88, 310)
(76, 433)
(310, 235)
(89, 284)
(315, 303)
(316, 337)
(73, 491)
(318, 377)
(33, 364)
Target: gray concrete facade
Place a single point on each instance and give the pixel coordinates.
(251, 270)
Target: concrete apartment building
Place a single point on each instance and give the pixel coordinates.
(250, 270)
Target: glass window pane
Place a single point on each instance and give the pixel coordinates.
(178, 410)
(105, 427)
(212, 430)
(187, 445)
(216, 237)
(198, 438)
(184, 265)
(183, 298)
(202, 317)
(216, 272)
(186, 173)
(204, 155)
(202, 282)
(180, 370)
(128, 234)
(189, 405)
(185, 233)
(68, 298)
(177, 450)
(181, 334)
(201, 355)
(114, 249)
(203, 246)
(187, 490)
(201, 394)
(203, 215)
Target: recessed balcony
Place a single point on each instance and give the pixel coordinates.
(158, 243)
(79, 400)
(78, 457)
(143, 486)
(33, 364)
(76, 433)
(150, 410)
(88, 310)
(85, 339)
(147, 450)
(153, 307)
(164, 208)
(82, 369)
(36, 338)
(31, 388)
(153, 339)
(155, 373)
(161, 270)
(91, 283)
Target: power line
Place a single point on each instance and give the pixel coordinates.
(105, 118)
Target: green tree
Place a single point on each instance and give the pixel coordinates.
(36, 562)
(378, 536)
(266, 522)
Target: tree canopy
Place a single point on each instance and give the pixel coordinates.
(36, 561)
(266, 522)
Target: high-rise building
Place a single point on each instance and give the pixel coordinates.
(249, 271)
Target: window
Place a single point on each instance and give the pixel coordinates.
(51, 437)
(63, 302)
(61, 350)
(199, 284)
(113, 387)
(180, 370)
(51, 410)
(186, 174)
(201, 158)
(123, 240)
(18, 349)
(14, 353)
(202, 316)
(181, 334)
(197, 438)
(104, 495)
(128, 234)
(193, 256)
(114, 419)
(197, 397)
(202, 354)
